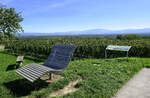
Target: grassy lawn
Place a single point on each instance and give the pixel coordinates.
(101, 78)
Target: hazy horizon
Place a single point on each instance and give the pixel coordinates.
(99, 29)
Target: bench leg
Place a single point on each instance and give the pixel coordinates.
(18, 64)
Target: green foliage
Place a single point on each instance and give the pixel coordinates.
(131, 36)
(146, 37)
(128, 37)
(87, 47)
(10, 21)
(119, 37)
(7, 37)
(101, 78)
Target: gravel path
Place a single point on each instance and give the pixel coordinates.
(137, 87)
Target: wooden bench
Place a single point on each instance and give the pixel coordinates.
(19, 61)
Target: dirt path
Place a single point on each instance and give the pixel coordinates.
(67, 89)
(138, 87)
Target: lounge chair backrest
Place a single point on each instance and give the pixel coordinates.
(60, 56)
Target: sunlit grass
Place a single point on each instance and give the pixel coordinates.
(101, 78)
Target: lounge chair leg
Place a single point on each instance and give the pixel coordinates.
(50, 75)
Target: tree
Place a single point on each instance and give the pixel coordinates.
(119, 37)
(9, 21)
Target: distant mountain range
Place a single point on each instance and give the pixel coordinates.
(100, 32)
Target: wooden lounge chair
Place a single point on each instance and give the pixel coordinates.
(57, 61)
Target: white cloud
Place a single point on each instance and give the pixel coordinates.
(6, 1)
(49, 7)
(59, 4)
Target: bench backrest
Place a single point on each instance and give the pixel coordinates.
(60, 56)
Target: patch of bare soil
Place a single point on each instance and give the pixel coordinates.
(67, 89)
(54, 78)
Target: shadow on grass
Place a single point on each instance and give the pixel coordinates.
(122, 60)
(99, 64)
(34, 59)
(117, 59)
(147, 66)
(11, 67)
(23, 87)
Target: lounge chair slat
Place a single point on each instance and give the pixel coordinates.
(31, 69)
(39, 67)
(25, 76)
(28, 74)
(32, 72)
(38, 70)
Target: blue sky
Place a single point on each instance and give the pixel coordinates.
(76, 15)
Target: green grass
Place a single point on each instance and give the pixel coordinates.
(101, 78)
